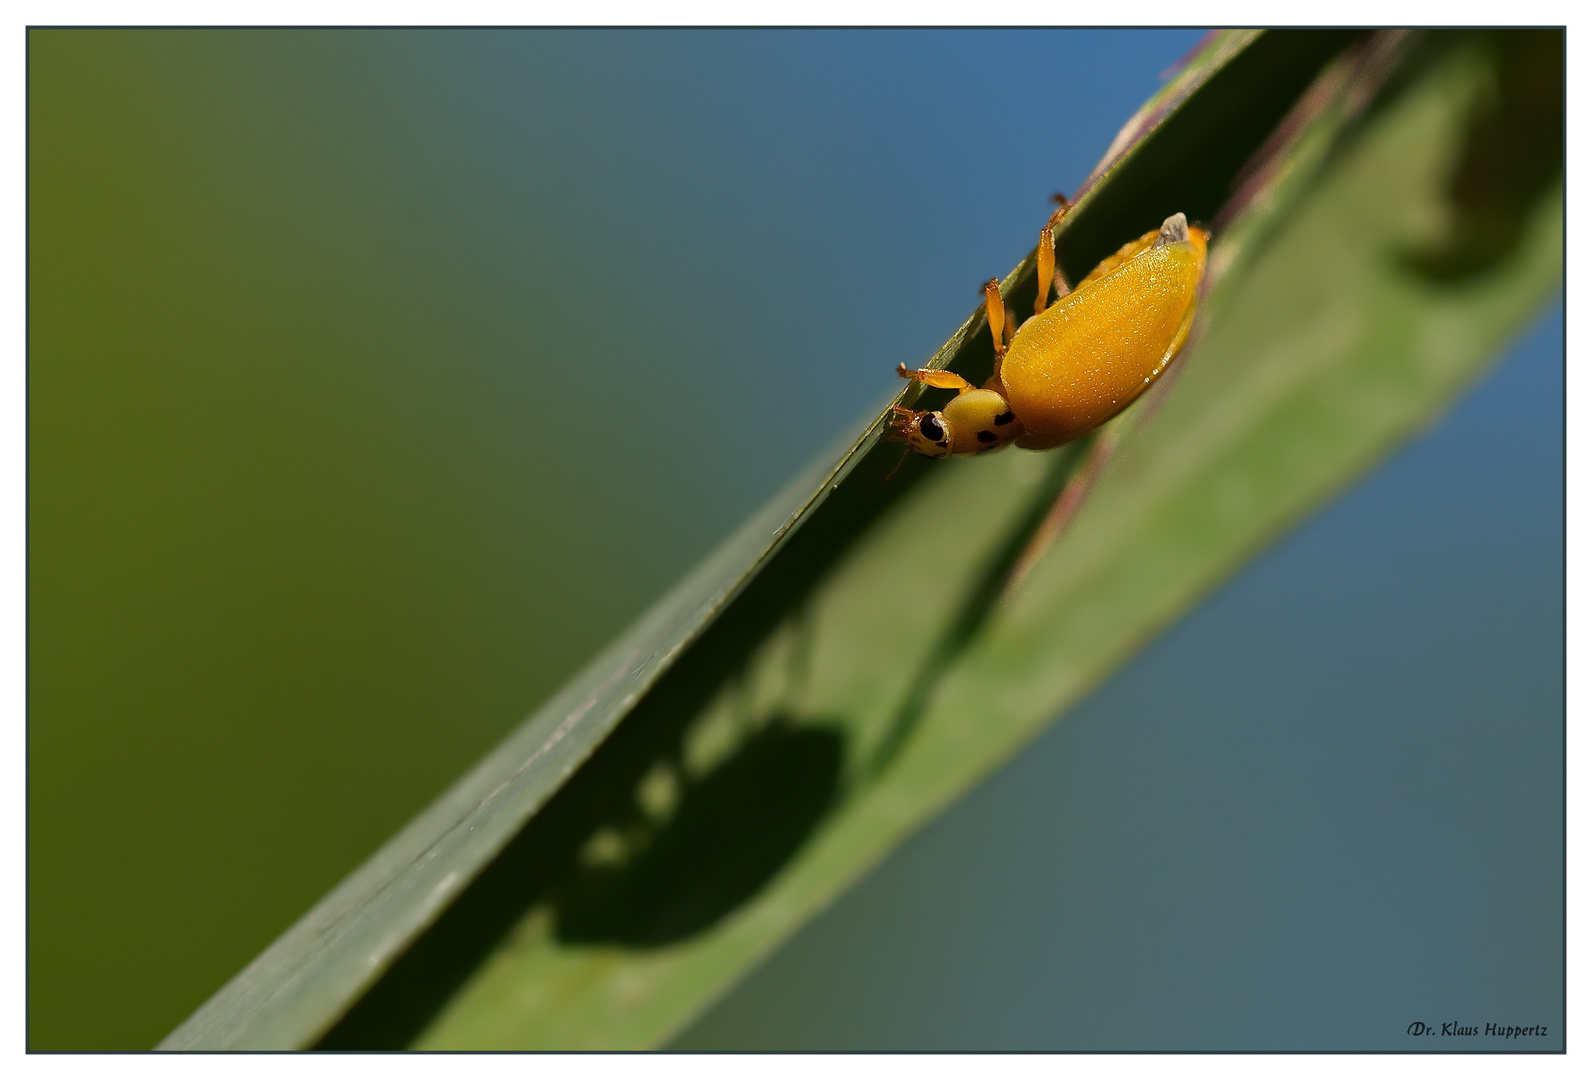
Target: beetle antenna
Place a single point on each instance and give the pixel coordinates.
(902, 460)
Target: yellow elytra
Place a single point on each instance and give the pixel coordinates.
(1076, 363)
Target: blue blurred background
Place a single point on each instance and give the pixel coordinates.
(378, 378)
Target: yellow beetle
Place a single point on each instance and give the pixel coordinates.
(1076, 363)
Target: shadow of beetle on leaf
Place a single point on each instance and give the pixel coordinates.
(728, 834)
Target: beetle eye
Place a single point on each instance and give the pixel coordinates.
(930, 427)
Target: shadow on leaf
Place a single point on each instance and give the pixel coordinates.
(729, 835)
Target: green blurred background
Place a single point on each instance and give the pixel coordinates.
(378, 378)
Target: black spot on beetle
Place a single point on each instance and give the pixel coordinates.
(987, 436)
(1005, 418)
(930, 427)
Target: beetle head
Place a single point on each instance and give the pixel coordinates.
(925, 432)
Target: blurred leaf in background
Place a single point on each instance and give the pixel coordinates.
(378, 378)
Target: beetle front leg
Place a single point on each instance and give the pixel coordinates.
(1047, 267)
(945, 380)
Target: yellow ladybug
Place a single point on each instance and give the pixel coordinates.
(1076, 363)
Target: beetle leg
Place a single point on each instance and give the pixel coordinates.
(1063, 204)
(995, 312)
(1047, 267)
(945, 380)
(1050, 275)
